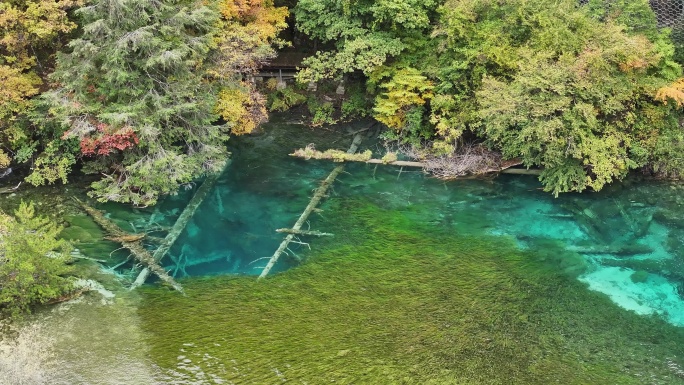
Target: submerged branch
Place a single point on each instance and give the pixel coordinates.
(130, 242)
(304, 232)
(180, 224)
(318, 195)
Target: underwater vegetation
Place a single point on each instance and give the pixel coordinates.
(424, 282)
(389, 300)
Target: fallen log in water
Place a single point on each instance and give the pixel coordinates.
(180, 224)
(132, 242)
(338, 156)
(304, 232)
(182, 262)
(318, 195)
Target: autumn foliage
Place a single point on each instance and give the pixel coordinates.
(672, 92)
(147, 92)
(106, 142)
(249, 30)
(30, 32)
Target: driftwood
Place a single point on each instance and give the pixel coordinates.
(520, 171)
(304, 232)
(154, 239)
(588, 221)
(180, 224)
(616, 250)
(503, 168)
(76, 254)
(132, 243)
(318, 195)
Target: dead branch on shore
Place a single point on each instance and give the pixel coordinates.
(7, 190)
(471, 159)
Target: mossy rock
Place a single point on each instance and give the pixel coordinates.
(573, 264)
(103, 249)
(122, 212)
(88, 237)
(639, 276)
(553, 253)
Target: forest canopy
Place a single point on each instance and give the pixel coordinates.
(145, 93)
(137, 94)
(567, 87)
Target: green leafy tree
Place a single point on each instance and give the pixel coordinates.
(33, 265)
(583, 105)
(133, 95)
(30, 32)
(572, 88)
(366, 34)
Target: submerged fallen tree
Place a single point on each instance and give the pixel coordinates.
(469, 160)
(132, 242)
(304, 232)
(179, 226)
(318, 195)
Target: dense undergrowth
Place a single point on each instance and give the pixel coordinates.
(387, 302)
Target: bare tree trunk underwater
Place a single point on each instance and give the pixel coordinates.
(180, 224)
(315, 200)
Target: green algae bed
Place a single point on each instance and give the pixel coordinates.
(424, 282)
(387, 301)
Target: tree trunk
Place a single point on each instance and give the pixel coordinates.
(132, 243)
(315, 200)
(304, 232)
(180, 224)
(405, 163)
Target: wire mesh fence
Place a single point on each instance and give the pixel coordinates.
(669, 13)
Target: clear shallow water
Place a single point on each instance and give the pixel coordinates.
(626, 242)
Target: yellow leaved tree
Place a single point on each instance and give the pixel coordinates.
(249, 32)
(28, 32)
(672, 92)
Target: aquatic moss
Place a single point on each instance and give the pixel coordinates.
(386, 302)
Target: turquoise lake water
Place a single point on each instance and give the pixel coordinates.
(626, 241)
